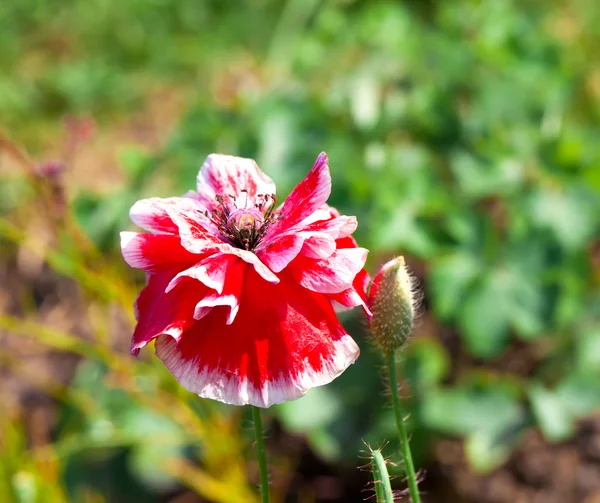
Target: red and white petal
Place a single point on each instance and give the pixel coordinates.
(249, 257)
(226, 175)
(211, 271)
(308, 196)
(155, 252)
(332, 275)
(318, 246)
(154, 214)
(338, 227)
(284, 340)
(231, 293)
(280, 252)
(160, 312)
(206, 305)
(354, 296)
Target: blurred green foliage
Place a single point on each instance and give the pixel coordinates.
(462, 134)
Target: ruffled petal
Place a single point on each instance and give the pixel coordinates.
(357, 294)
(314, 240)
(160, 312)
(281, 252)
(226, 175)
(155, 252)
(332, 275)
(155, 214)
(354, 296)
(211, 271)
(318, 246)
(231, 293)
(308, 196)
(284, 340)
(337, 227)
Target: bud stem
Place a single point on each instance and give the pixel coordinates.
(261, 454)
(404, 446)
(381, 479)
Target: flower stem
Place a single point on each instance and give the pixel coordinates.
(261, 454)
(404, 446)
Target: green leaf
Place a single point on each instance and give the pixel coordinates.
(570, 214)
(484, 318)
(579, 393)
(467, 409)
(425, 363)
(449, 281)
(551, 415)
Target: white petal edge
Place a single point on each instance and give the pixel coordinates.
(226, 388)
(207, 303)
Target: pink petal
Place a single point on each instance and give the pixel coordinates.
(155, 252)
(159, 312)
(284, 340)
(226, 175)
(332, 275)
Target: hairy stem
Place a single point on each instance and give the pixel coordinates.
(404, 447)
(381, 479)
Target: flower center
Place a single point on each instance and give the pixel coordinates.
(244, 226)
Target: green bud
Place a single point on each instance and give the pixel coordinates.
(392, 303)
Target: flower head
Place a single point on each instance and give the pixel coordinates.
(393, 304)
(240, 292)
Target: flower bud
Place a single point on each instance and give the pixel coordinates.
(392, 302)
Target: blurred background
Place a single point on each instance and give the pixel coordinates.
(464, 135)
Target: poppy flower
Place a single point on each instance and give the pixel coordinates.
(240, 293)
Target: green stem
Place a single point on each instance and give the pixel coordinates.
(404, 447)
(261, 454)
(381, 479)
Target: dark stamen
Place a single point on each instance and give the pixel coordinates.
(244, 227)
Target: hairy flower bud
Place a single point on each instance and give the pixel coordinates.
(392, 302)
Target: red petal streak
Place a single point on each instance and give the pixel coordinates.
(355, 296)
(169, 313)
(315, 240)
(318, 246)
(332, 275)
(231, 294)
(308, 196)
(284, 340)
(155, 252)
(280, 252)
(211, 271)
(226, 175)
(155, 214)
(251, 258)
(338, 227)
